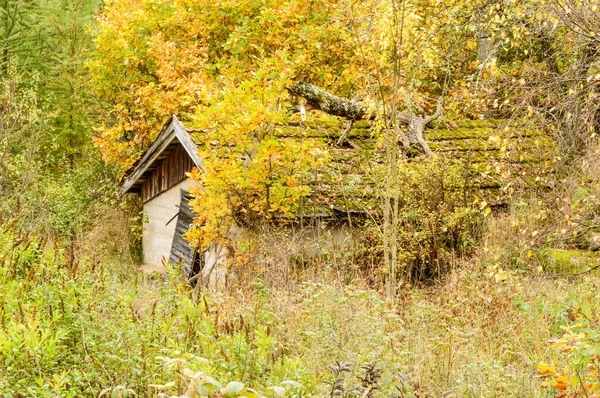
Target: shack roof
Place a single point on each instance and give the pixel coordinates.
(348, 184)
(172, 134)
(486, 150)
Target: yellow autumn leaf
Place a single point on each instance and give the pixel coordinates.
(543, 368)
(560, 383)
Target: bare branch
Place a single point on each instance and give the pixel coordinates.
(346, 131)
(404, 118)
(437, 114)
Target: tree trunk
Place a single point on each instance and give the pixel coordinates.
(353, 110)
(329, 103)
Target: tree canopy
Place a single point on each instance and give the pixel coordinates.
(227, 68)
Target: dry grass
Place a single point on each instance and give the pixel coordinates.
(479, 332)
(288, 255)
(109, 239)
(470, 334)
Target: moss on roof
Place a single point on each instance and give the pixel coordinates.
(482, 148)
(352, 182)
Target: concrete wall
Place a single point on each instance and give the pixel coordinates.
(216, 259)
(157, 236)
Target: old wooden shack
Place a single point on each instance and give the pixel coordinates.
(160, 178)
(346, 190)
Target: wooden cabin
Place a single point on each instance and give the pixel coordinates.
(160, 178)
(340, 194)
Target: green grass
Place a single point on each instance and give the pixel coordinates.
(68, 333)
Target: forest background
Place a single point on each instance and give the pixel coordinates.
(512, 307)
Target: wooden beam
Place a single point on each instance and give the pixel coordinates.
(148, 159)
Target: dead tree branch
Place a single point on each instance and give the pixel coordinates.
(346, 131)
(353, 110)
(329, 103)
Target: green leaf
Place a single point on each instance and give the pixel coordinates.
(292, 383)
(234, 388)
(586, 309)
(213, 382)
(249, 393)
(278, 390)
(203, 390)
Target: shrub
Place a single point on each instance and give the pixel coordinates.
(440, 217)
(577, 371)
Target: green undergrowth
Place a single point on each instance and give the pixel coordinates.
(568, 261)
(74, 333)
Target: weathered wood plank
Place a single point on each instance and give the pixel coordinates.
(180, 250)
(169, 173)
(149, 157)
(187, 143)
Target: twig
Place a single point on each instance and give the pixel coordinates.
(346, 131)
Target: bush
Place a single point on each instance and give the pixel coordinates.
(576, 373)
(440, 218)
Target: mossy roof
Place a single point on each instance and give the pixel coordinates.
(349, 184)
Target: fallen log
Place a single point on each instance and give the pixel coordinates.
(319, 99)
(328, 103)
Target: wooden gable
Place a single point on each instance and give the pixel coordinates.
(169, 171)
(165, 164)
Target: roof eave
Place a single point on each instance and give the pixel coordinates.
(172, 129)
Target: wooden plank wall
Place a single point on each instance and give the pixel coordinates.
(180, 250)
(170, 171)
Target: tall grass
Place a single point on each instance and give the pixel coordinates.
(74, 332)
